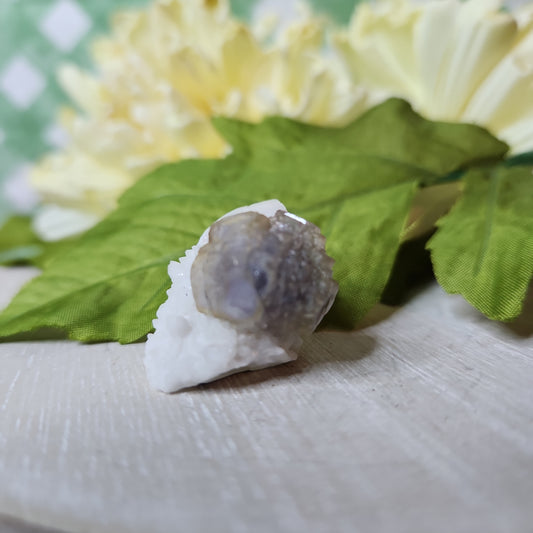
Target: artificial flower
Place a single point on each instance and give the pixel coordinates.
(160, 77)
(455, 61)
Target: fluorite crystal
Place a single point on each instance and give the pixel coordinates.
(261, 273)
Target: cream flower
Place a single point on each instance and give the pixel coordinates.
(160, 77)
(457, 61)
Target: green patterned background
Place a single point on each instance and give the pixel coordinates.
(35, 37)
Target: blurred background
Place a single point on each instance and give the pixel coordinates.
(38, 35)
(35, 37)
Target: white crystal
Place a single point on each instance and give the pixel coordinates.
(189, 347)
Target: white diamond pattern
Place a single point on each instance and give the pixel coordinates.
(21, 82)
(55, 136)
(18, 190)
(65, 25)
(42, 34)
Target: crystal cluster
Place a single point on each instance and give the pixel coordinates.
(243, 298)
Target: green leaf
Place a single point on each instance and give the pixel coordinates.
(411, 271)
(484, 247)
(356, 183)
(364, 235)
(525, 158)
(387, 145)
(19, 245)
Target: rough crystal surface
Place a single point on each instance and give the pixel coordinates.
(264, 273)
(190, 347)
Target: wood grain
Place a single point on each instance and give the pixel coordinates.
(421, 421)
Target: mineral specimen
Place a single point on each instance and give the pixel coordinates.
(241, 299)
(264, 274)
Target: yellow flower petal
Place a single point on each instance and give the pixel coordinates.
(80, 182)
(378, 46)
(54, 222)
(456, 61)
(160, 77)
(84, 90)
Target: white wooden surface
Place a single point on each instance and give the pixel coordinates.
(419, 422)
